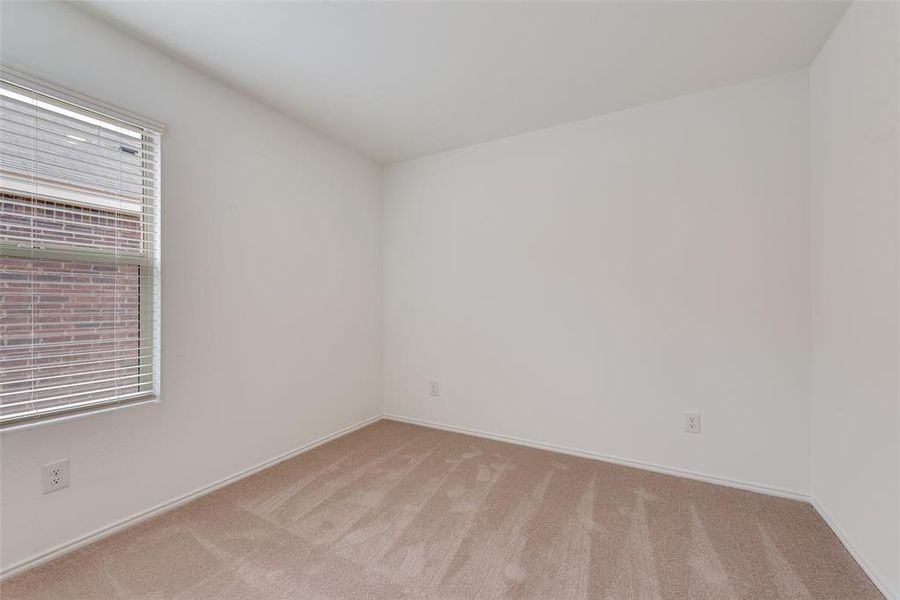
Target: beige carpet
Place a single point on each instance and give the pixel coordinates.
(398, 511)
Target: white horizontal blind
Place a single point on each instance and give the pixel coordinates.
(79, 258)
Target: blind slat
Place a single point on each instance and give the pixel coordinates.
(70, 355)
(30, 139)
(42, 163)
(84, 363)
(28, 209)
(42, 119)
(111, 390)
(24, 147)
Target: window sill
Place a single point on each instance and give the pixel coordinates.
(71, 416)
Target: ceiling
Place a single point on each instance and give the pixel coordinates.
(397, 80)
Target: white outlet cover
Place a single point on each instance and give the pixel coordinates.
(692, 422)
(435, 388)
(55, 476)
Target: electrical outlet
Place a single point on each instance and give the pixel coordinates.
(435, 388)
(55, 476)
(692, 422)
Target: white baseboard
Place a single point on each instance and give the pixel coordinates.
(734, 483)
(103, 532)
(879, 582)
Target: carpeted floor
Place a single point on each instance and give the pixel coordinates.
(399, 511)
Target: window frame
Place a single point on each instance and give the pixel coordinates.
(150, 301)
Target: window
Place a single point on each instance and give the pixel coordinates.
(79, 255)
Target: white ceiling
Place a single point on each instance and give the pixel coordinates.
(399, 80)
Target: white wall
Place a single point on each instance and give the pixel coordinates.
(586, 285)
(855, 209)
(271, 289)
